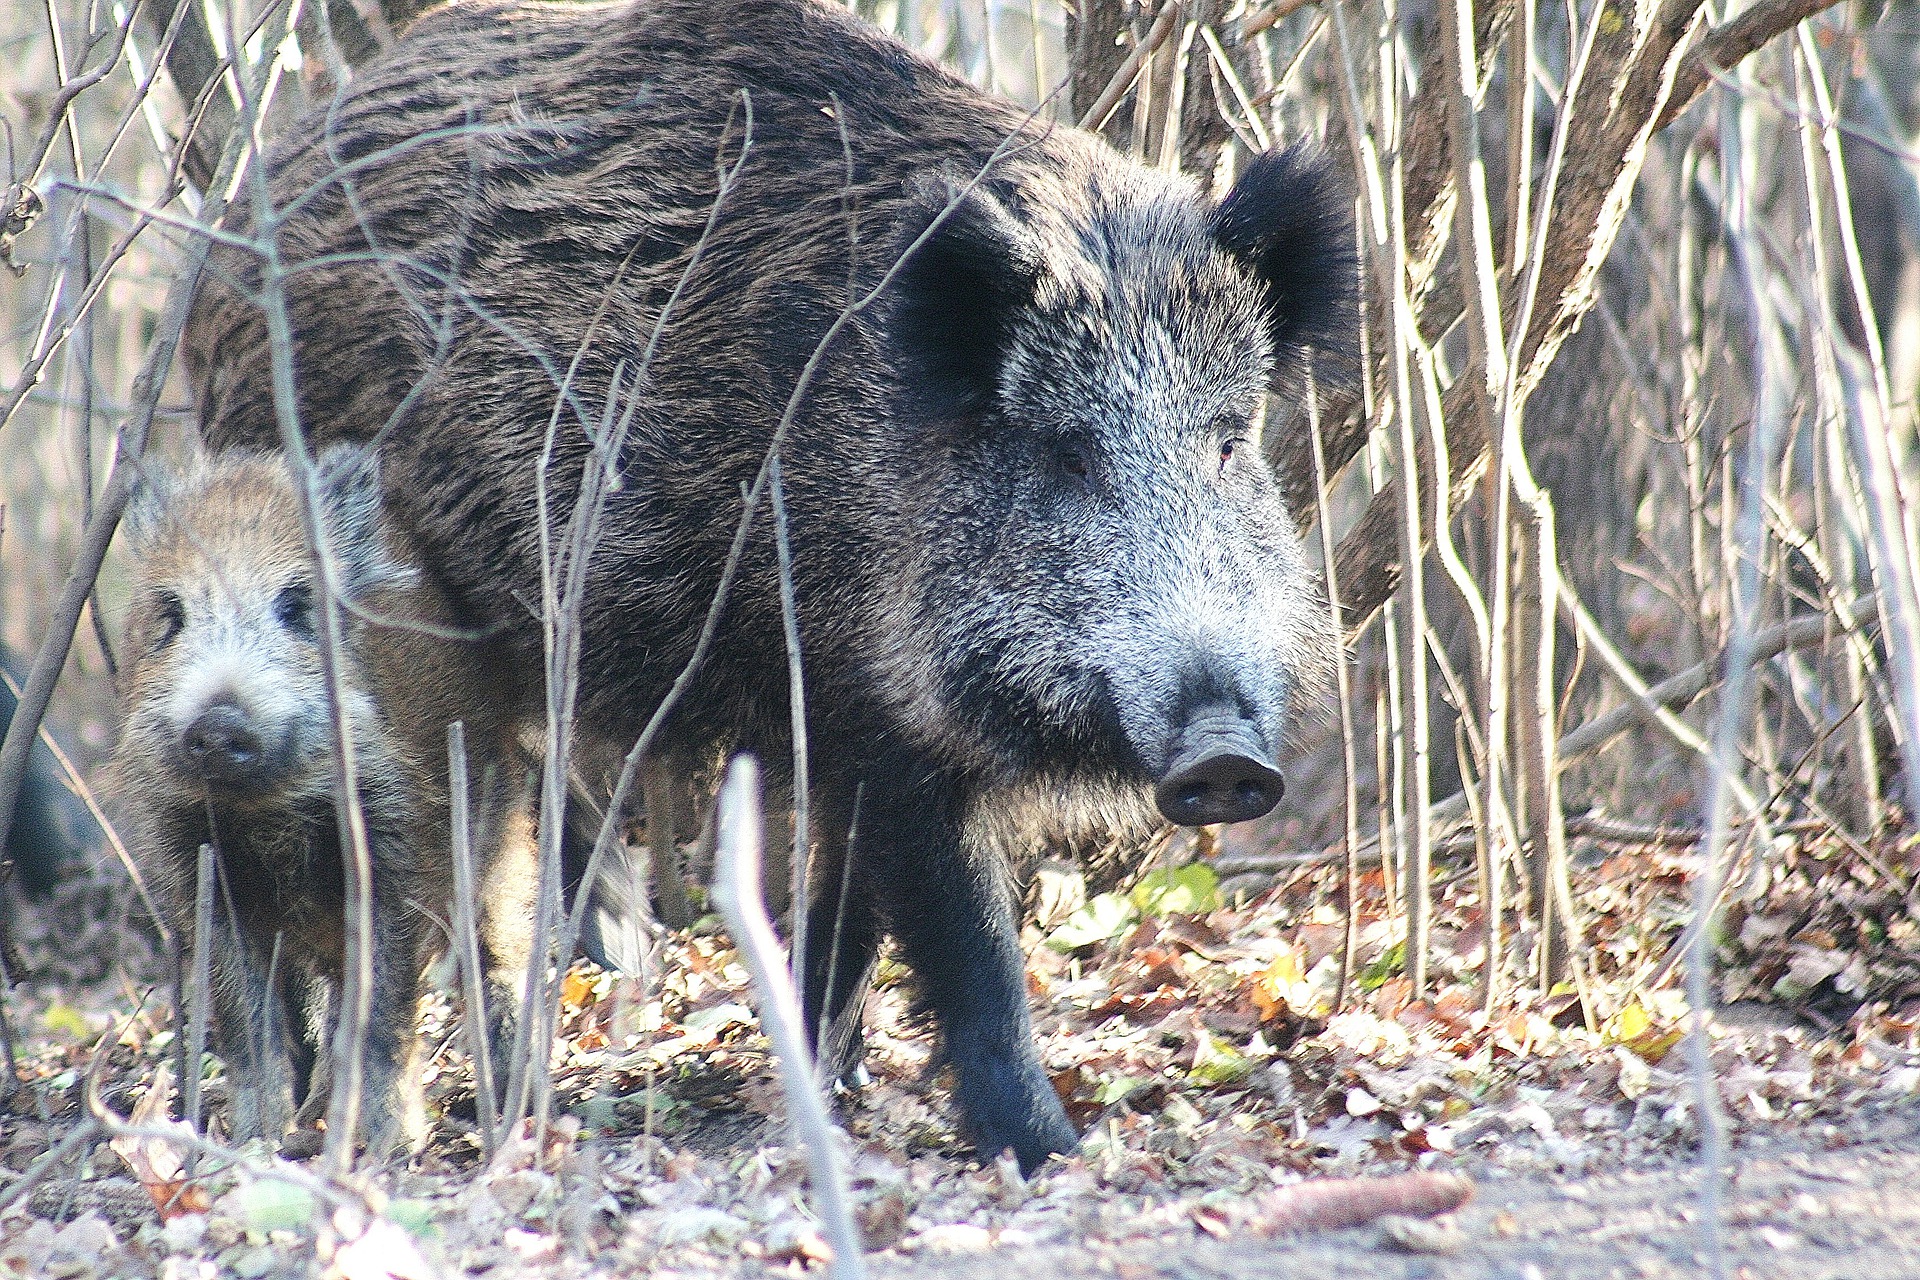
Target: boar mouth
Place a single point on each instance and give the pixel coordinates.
(1218, 771)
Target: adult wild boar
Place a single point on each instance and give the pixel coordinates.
(1044, 581)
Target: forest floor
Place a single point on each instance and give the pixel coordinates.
(1191, 1028)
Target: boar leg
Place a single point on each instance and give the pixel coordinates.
(509, 904)
(842, 948)
(251, 1024)
(956, 921)
(312, 1004)
(392, 1105)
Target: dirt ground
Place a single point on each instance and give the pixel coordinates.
(1807, 1206)
(1195, 1038)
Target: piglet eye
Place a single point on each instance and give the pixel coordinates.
(293, 608)
(170, 617)
(1227, 448)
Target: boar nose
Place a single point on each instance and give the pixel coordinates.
(1219, 772)
(220, 745)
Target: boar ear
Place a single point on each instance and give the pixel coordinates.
(956, 297)
(1289, 221)
(348, 483)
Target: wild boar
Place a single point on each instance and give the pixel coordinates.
(1044, 581)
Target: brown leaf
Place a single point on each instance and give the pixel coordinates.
(154, 1160)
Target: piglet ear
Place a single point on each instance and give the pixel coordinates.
(147, 504)
(956, 298)
(1289, 220)
(349, 490)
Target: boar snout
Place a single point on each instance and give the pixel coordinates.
(222, 747)
(1218, 771)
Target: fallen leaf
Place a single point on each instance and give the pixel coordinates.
(1215, 1062)
(154, 1158)
(1106, 915)
(1192, 890)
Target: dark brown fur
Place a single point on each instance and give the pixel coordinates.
(1024, 447)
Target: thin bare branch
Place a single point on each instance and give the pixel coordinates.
(736, 891)
(1731, 43)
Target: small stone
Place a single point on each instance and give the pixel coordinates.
(87, 1236)
(953, 1237)
(530, 1246)
(185, 1233)
(688, 1226)
(883, 1217)
(250, 1264)
(795, 1240)
(302, 1144)
(514, 1192)
(1440, 1236)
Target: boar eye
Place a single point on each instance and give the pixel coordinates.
(293, 608)
(170, 617)
(1074, 461)
(1227, 448)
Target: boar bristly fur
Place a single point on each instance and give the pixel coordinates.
(227, 741)
(1045, 581)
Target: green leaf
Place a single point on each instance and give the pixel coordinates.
(1119, 1087)
(1191, 890)
(418, 1218)
(1388, 963)
(1215, 1062)
(1629, 1024)
(269, 1204)
(1107, 915)
(62, 1019)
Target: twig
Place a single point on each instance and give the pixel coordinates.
(736, 891)
(353, 1006)
(1739, 183)
(1730, 43)
(1254, 23)
(57, 116)
(1674, 691)
(797, 704)
(1655, 712)
(1330, 1204)
(466, 939)
(1343, 684)
(8, 1059)
(562, 645)
(1868, 415)
(1125, 74)
(200, 990)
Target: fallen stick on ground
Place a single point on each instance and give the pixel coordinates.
(1328, 1204)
